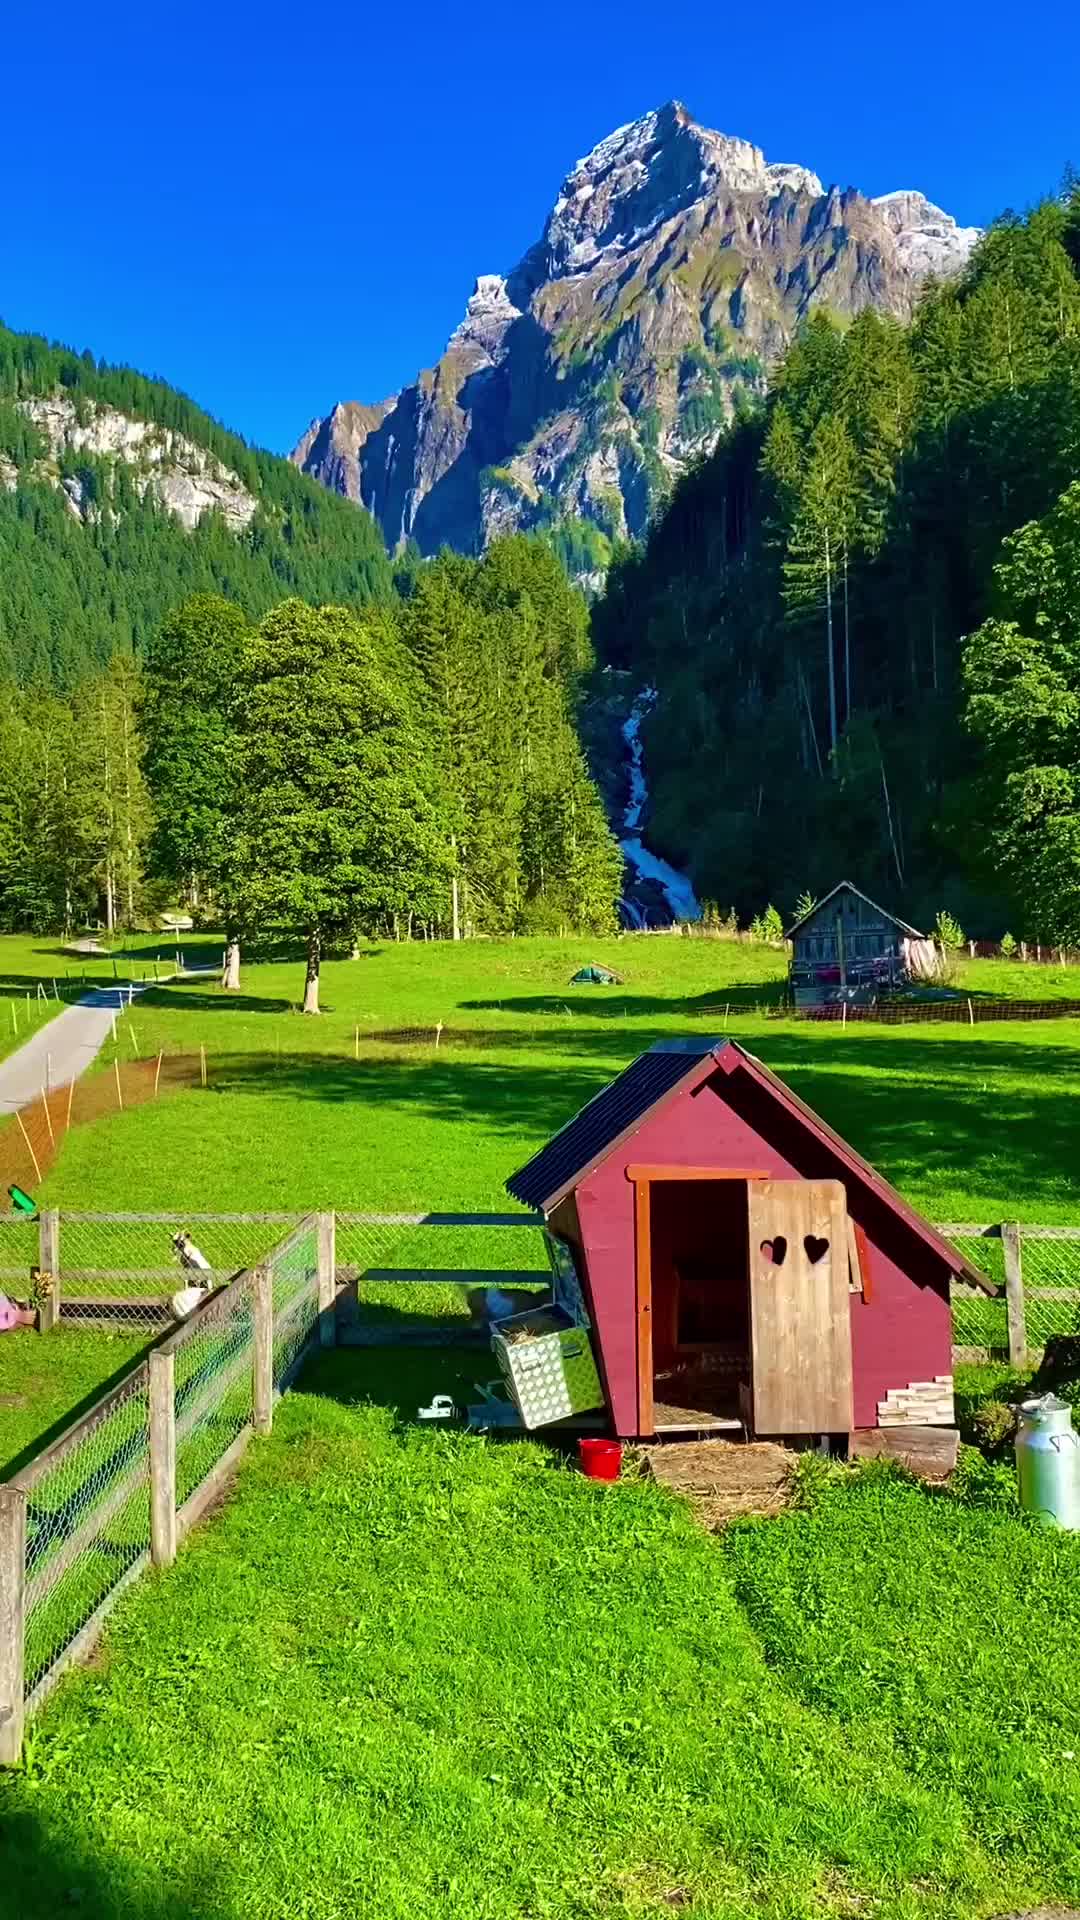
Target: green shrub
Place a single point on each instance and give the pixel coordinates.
(767, 928)
(1008, 946)
(948, 931)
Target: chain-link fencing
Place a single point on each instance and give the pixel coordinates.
(1039, 1289)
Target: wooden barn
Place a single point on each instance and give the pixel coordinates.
(742, 1267)
(849, 948)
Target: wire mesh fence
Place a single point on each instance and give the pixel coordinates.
(212, 1387)
(294, 1281)
(416, 1279)
(123, 1270)
(1039, 1296)
(129, 1478)
(87, 1524)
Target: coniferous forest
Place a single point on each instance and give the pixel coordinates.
(866, 669)
(861, 614)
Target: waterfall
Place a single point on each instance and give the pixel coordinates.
(676, 889)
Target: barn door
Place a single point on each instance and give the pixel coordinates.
(799, 1314)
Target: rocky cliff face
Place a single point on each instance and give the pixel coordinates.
(672, 272)
(184, 478)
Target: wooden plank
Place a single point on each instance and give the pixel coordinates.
(187, 1219)
(1052, 1293)
(799, 1312)
(12, 1622)
(931, 1452)
(667, 1172)
(49, 1263)
(441, 1220)
(447, 1276)
(175, 1276)
(1014, 1293)
(162, 1459)
(865, 1265)
(327, 1269)
(263, 1349)
(643, 1294)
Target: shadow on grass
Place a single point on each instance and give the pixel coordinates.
(49, 1870)
(189, 995)
(74, 1412)
(982, 1115)
(403, 1379)
(603, 1004)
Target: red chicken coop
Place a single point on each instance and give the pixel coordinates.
(741, 1266)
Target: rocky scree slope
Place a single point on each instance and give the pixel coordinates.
(672, 272)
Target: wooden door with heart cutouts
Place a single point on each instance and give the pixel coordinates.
(800, 1319)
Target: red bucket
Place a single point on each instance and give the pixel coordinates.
(600, 1459)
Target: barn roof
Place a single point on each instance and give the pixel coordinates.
(845, 886)
(653, 1079)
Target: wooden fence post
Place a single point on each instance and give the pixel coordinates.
(162, 1460)
(262, 1390)
(12, 1622)
(327, 1256)
(1014, 1293)
(49, 1263)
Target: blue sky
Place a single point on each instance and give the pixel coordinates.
(276, 207)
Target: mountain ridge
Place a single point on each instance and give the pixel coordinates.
(671, 273)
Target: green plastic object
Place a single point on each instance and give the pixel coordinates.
(21, 1201)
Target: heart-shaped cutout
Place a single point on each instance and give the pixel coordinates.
(775, 1250)
(815, 1249)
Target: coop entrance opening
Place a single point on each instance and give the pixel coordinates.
(701, 1358)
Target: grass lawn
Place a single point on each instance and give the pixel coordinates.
(972, 1123)
(408, 1673)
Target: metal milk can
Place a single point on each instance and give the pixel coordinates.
(1048, 1462)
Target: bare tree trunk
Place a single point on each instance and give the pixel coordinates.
(832, 650)
(110, 897)
(847, 644)
(311, 980)
(129, 836)
(455, 910)
(889, 820)
(230, 971)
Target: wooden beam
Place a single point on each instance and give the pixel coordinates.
(327, 1265)
(49, 1262)
(162, 1459)
(12, 1622)
(262, 1293)
(648, 1174)
(643, 1295)
(1014, 1293)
